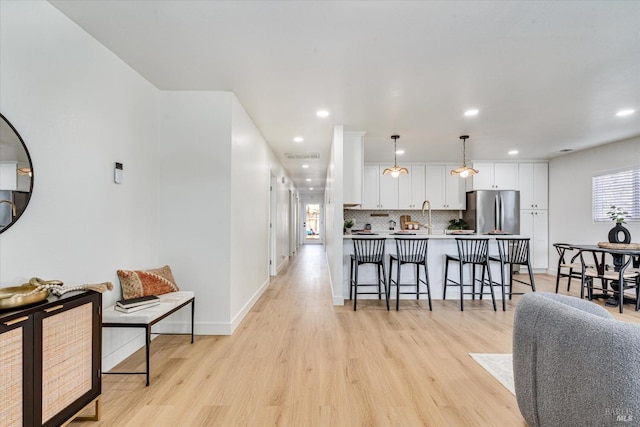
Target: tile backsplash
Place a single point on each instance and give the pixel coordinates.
(439, 219)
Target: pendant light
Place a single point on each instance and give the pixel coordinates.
(395, 171)
(464, 171)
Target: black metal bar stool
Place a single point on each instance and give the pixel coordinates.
(410, 251)
(475, 252)
(367, 251)
(513, 252)
(567, 260)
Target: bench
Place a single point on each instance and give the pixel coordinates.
(169, 304)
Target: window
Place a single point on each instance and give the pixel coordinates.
(620, 189)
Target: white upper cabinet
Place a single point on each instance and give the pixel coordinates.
(444, 191)
(411, 188)
(534, 185)
(370, 191)
(495, 176)
(8, 176)
(353, 161)
(379, 191)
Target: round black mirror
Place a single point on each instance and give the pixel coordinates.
(16, 175)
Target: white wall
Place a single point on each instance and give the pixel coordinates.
(251, 163)
(334, 216)
(79, 110)
(194, 200)
(196, 177)
(570, 219)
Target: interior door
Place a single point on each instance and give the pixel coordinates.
(313, 223)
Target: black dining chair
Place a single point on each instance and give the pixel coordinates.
(414, 252)
(569, 265)
(367, 251)
(474, 252)
(512, 252)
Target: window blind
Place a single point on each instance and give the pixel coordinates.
(619, 189)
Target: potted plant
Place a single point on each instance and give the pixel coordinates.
(457, 224)
(618, 234)
(348, 224)
(617, 215)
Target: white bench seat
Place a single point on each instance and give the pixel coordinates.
(146, 318)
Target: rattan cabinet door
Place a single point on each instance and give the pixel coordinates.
(68, 353)
(16, 368)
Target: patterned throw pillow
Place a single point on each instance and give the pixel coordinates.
(140, 283)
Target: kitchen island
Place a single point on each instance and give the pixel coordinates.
(439, 246)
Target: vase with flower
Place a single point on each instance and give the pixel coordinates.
(619, 233)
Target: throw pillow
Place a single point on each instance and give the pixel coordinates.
(138, 283)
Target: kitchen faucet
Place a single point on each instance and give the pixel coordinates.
(429, 225)
(13, 206)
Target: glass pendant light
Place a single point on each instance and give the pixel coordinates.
(395, 171)
(464, 171)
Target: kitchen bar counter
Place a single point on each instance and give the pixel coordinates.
(439, 246)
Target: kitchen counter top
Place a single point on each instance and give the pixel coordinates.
(439, 246)
(419, 234)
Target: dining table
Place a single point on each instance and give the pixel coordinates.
(624, 257)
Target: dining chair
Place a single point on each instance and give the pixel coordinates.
(367, 251)
(609, 277)
(513, 252)
(474, 252)
(568, 260)
(414, 252)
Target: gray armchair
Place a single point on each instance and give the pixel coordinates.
(573, 364)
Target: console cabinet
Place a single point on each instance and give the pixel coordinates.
(50, 360)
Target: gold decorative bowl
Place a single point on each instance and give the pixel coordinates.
(17, 296)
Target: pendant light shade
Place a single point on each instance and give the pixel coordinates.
(395, 171)
(464, 171)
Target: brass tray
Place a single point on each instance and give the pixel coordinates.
(13, 297)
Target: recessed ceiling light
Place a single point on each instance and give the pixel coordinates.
(305, 166)
(308, 179)
(311, 188)
(298, 139)
(399, 151)
(513, 152)
(622, 113)
(322, 113)
(470, 113)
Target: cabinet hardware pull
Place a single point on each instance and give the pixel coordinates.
(50, 309)
(14, 321)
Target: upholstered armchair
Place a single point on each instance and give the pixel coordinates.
(574, 364)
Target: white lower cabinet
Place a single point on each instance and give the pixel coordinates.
(535, 225)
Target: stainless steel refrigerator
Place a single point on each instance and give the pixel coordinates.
(493, 210)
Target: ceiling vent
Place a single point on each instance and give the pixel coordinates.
(301, 156)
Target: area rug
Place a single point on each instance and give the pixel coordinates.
(500, 366)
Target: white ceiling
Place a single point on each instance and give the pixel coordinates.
(545, 75)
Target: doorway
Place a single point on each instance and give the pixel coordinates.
(313, 223)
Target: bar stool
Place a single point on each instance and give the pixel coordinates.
(474, 252)
(410, 251)
(513, 252)
(564, 262)
(367, 251)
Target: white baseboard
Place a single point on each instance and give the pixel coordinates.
(235, 322)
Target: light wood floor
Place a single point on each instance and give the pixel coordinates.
(296, 360)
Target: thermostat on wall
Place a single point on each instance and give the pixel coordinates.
(117, 173)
